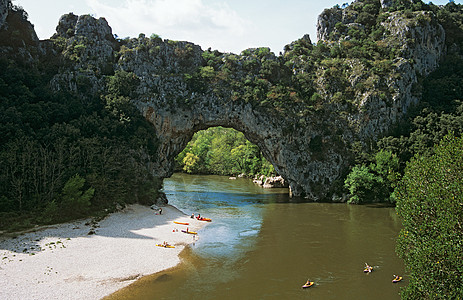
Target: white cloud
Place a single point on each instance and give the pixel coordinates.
(215, 25)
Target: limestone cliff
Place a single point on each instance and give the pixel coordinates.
(303, 113)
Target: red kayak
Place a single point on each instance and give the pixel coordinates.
(204, 219)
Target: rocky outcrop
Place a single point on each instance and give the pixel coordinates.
(420, 43)
(275, 182)
(180, 93)
(270, 182)
(386, 3)
(327, 21)
(89, 51)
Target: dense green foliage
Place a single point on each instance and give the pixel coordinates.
(66, 155)
(430, 202)
(223, 151)
(376, 182)
(48, 138)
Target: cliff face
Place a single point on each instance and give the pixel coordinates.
(183, 89)
(420, 43)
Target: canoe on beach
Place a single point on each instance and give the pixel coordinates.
(165, 246)
(181, 223)
(190, 232)
(204, 219)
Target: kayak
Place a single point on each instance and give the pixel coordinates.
(190, 232)
(307, 284)
(204, 219)
(397, 279)
(367, 270)
(165, 246)
(181, 223)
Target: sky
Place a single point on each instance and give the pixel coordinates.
(225, 25)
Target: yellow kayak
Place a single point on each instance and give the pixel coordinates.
(165, 246)
(181, 223)
(397, 279)
(190, 232)
(368, 270)
(308, 284)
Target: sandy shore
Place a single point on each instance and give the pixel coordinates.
(65, 262)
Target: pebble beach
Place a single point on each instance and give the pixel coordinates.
(88, 260)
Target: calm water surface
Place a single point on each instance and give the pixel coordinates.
(263, 245)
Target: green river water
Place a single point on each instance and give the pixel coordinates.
(264, 245)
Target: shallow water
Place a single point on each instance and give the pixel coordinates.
(263, 245)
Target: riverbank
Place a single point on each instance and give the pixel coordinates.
(83, 260)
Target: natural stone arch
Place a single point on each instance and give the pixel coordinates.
(175, 131)
(279, 145)
(179, 93)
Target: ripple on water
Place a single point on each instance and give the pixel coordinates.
(247, 233)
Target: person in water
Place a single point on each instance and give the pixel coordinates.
(368, 268)
(192, 216)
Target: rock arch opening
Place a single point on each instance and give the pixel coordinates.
(222, 151)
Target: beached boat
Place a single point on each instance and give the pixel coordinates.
(165, 246)
(204, 219)
(308, 284)
(181, 223)
(190, 232)
(397, 279)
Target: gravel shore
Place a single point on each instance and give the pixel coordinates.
(84, 260)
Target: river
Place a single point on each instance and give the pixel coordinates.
(263, 245)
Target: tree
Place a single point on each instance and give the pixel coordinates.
(374, 182)
(74, 201)
(360, 182)
(190, 163)
(430, 202)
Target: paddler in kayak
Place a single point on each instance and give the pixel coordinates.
(307, 284)
(368, 268)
